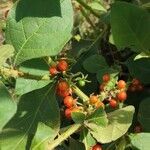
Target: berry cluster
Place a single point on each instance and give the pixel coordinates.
(64, 90)
(61, 66)
(115, 95)
(135, 85)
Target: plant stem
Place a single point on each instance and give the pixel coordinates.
(64, 136)
(88, 8)
(83, 96)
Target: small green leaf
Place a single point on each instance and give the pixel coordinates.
(95, 63)
(78, 117)
(6, 51)
(8, 107)
(144, 114)
(142, 55)
(140, 141)
(130, 26)
(37, 31)
(119, 122)
(87, 139)
(99, 118)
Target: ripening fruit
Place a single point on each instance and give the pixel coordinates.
(99, 104)
(63, 93)
(81, 83)
(135, 82)
(93, 99)
(101, 87)
(62, 65)
(77, 109)
(106, 77)
(97, 147)
(68, 113)
(132, 88)
(121, 84)
(122, 96)
(138, 129)
(139, 87)
(53, 71)
(69, 101)
(62, 86)
(113, 103)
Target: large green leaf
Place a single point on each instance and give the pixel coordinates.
(40, 30)
(7, 106)
(130, 26)
(144, 114)
(24, 86)
(140, 69)
(140, 141)
(36, 67)
(35, 108)
(99, 117)
(78, 117)
(119, 122)
(6, 51)
(95, 63)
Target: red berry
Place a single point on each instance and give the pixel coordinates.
(106, 77)
(68, 113)
(122, 96)
(121, 84)
(139, 87)
(53, 71)
(63, 86)
(113, 103)
(138, 129)
(102, 86)
(63, 93)
(69, 101)
(93, 99)
(97, 147)
(132, 88)
(135, 82)
(62, 65)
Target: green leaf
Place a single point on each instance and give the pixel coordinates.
(35, 67)
(144, 114)
(130, 26)
(78, 117)
(40, 30)
(140, 141)
(95, 63)
(75, 145)
(97, 6)
(6, 51)
(43, 135)
(87, 139)
(24, 86)
(7, 106)
(99, 118)
(39, 106)
(142, 55)
(119, 122)
(140, 69)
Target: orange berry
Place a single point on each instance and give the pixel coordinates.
(62, 65)
(121, 84)
(122, 96)
(53, 71)
(99, 104)
(68, 113)
(69, 101)
(97, 147)
(93, 99)
(113, 103)
(106, 77)
(101, 87)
